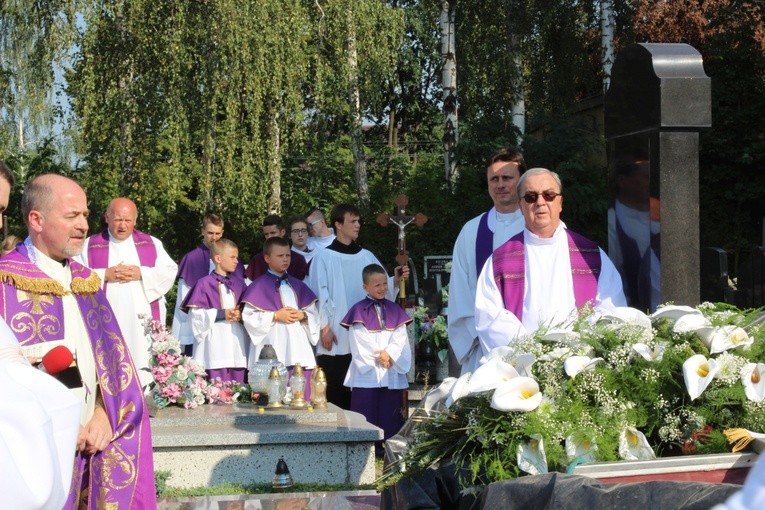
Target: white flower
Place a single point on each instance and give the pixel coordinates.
(753, 381)
(557, 353)
(531, 456)
(518, 394)
(582, 447)
(181, 372)
(458, 390)
(575, 364)
(498, 352)
(698, 372)
(522, 364)
(655, 354)
(489, 376)
(438, 394)
(673, 312)
(627, 315)
(563, 336)
(690, 323)
(724, 338)
(633, 445)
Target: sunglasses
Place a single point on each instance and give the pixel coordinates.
(531, 196)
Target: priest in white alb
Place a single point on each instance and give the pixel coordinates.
(475, 243)
(543, 275)
(136, 272)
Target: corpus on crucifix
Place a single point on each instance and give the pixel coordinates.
(401, 220)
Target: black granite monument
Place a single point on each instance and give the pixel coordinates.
(659, 100)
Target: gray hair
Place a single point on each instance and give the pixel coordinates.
(537, 171)
(38, 195)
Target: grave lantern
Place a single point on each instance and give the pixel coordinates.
(282, 477)
(275, 392)
(297, 383)
(319, 388)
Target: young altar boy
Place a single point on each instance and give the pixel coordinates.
(281, 310)
(381, 356)
(220, 341)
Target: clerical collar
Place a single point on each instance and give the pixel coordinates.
(36, 256)
(348, 249)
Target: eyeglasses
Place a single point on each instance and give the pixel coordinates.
(531, 196)
(311, 224)
(299, 231)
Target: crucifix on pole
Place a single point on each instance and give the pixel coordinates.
(401, 220)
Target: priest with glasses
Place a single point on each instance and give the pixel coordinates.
(543, 275)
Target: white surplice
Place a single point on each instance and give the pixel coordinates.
(364, 372)
(133, 299)
(221, 344)
(463, 279)
(548, 292)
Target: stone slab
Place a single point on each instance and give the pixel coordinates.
(347, 500)
(211, 445)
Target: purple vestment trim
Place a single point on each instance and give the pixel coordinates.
(484, 243)
(122, 475)
(263, 294)
(206, 292)
(510, 270)
(365, 313)
(98, 256)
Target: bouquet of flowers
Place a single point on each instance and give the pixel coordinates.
(178, 379)
(619, 386)
(431, 329)
(227, 392)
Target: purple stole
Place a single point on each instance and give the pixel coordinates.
(263, 294)
(206, 292)
(388, 317)
(122, 475)
(484, 243)
(510, 270)
(98, 256)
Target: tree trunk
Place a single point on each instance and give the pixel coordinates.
(354, 97)
(275, 167)
(449, 86)
(518, 107)
(607, 23)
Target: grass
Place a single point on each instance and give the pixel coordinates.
(234, 489)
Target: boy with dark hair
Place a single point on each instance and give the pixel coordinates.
(381, 354)
(281, 310)
(273, 226)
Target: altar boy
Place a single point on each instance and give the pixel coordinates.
(380, 352)
(220, 341)
(281, 310)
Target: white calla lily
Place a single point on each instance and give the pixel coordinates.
(531, 456)
(690, 323)
(492, 374)
(673, 312)
(627, 315)
(523, 363)
(582, 447)
(459, 389)
(724, 338)
(698, 372)
(497, 352)
(648, 354)
(753, 379)
(557, 353)
(633, 445)
(563, 336)
(576, 364)
(518, 394)
(438, 394)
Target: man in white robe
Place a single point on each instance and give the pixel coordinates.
(477, 239)
(335, 278)
(136, 272)
(545, 273)
(321, 235)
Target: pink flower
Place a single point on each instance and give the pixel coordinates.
(161, 374)
(168, 360)
(172, 391)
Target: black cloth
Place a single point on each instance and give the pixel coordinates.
(335, 368)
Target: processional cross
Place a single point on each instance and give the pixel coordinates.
(401, 220)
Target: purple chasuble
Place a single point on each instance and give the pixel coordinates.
(263, 294)
(122, 475)
(98, 256)
(484, 243)
(510, 270)
(206, 292)
(388, 317)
